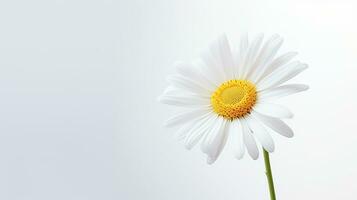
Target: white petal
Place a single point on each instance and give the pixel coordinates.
(222, 53)
(281, 75)
(261, 134)
(282, 91)
(214, 68)
(235, 132)
(198, 131)
(218, 145)
(251, 55)
(171, 90)
(177, 92)
(193, 72)
(249, 140)
(208, 74)
(215, 140)
(276, 63)
(262, 54)
(187, 100)
(244, 44)
(186, 116)
(267, 54)
(182, 133)
(217, 122)
(275, 124)
(271, 50)
(188, 85)
(273, 110)
(241, 56)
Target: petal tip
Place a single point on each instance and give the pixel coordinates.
(304, 66)
(238, 157)
(167, 124)
(290, 135)
(188, 147)
(159, 99)
(210, 160)
(270, 149)
(255, 157)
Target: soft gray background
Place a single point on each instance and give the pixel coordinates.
(80, 121)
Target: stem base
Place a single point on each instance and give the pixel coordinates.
(269, 175)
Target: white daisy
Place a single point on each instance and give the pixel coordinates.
(229, 93)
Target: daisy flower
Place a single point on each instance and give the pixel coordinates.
(229, 93)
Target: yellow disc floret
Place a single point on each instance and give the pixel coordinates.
(234, 98)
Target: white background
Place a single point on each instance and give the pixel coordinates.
(79, 117)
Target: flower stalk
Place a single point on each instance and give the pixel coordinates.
(269, 175)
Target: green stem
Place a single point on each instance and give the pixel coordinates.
(269, 175)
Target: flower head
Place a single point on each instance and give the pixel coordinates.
(229, 93)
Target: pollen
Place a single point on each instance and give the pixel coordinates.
(234, 99)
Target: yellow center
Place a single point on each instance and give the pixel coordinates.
(234, 98)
